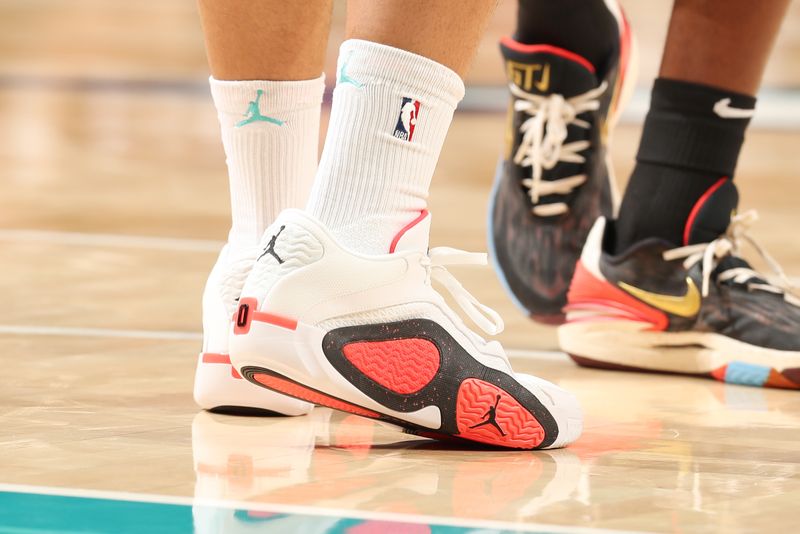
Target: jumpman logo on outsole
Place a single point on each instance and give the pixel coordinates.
(270, 249)
(491, 418)
(344, 78)
(254, 113)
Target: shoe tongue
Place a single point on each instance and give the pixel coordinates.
(414, 236)
(711, 215)
(546, 69)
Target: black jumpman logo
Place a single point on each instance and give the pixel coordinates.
(491, 418)
(271, 247)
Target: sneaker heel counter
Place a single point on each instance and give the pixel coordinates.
(285, 248)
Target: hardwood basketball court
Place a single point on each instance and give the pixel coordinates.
(114, 206)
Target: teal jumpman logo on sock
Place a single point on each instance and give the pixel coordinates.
(344, 78)
(254, 113)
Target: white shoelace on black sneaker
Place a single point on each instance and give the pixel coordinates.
(542, 145)
(730, 243)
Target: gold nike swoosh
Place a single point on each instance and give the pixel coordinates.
(685, 306)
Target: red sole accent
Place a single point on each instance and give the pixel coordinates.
(487, 414)
(404, 366)
(293, 389)
(211, 357)
(790, 376)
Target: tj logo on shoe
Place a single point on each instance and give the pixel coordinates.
(491, 418)
(407, 121)
(270, 248)
(254, 113)
(527, 76)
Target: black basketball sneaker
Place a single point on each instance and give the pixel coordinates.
(554, 180)
(698, 309)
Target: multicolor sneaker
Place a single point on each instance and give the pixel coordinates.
(699, 309)
(217, 385)
(555, 179)
(368, 334)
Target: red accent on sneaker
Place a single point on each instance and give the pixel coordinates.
(625, 47)
(406, 228)
(780, 380)
(287, 387)
(626, 44)
(587, 292)
(244, 316)
(687, 230)
(247, 312)
(404, 366)
(277, 320)
(235, 374)
(487, 414)
(719, 373)
(547, 49)
(211, 357)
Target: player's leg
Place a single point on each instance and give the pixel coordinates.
(266, 59)
(713, 61)
(668, 272)
(569, 69)
(350, 318)
(405, 58)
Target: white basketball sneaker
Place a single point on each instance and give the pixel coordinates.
(369, 335)
(217, 385)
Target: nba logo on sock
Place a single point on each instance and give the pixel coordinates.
(409, 111)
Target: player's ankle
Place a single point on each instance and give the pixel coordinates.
(390, 115)
(691, 140)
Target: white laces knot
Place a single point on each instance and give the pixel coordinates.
(543, 136)
(729, 243)
(438, 258)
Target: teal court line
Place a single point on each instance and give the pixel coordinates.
(38, 510)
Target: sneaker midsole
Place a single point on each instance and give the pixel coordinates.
(629, 343)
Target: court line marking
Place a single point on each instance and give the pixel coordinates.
(304, 510)
(90, 239)
(112, 240)
(777, 107)
(78, 331)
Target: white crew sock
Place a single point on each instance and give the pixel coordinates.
(390, 115)
(271, 146)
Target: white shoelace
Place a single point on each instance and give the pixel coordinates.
(543, 136)
(438, 258)
(729, 243)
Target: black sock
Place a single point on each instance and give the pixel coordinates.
(686, 150)
(585, 27)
